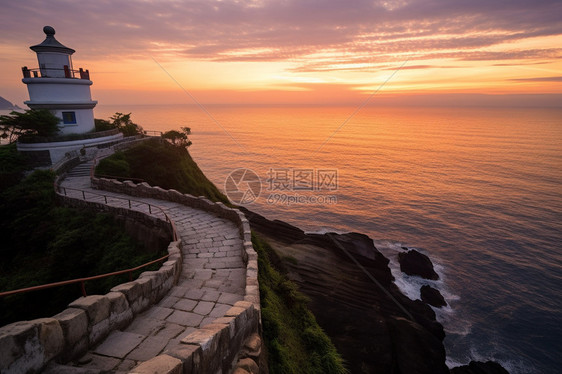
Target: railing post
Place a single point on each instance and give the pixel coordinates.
(149, 209)
(105, 197)
(83, 287)
(83, 195)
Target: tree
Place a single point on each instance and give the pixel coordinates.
(125, 125)
(103, 124)
(119, 121)
(178, 138)
(34, 122)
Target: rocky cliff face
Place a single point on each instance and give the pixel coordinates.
(352, 294)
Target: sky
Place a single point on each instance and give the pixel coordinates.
(296, 51)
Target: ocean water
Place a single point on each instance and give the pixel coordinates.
(477, 189)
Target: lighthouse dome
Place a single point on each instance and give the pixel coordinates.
(50, 44)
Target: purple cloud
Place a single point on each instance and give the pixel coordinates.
(287, 30)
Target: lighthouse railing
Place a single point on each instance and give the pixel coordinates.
(55, 73)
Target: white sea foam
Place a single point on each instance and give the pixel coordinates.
(324, 230)
(512, 366)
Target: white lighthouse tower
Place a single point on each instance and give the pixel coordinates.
(56, 86)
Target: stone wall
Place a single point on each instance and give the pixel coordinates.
(27, 346)
(223, 346)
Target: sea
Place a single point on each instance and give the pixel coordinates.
(479, 190)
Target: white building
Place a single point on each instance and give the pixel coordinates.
(56, 86)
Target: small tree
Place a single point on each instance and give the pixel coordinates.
(119, 121)
(178, 138)
(125, 125)
(34, 122)
(103, 125)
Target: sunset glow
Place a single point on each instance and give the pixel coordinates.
(294, 51)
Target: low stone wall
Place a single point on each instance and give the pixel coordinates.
(220, 347)
(27, 346)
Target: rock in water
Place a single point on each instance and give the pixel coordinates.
(432, 296)
(476, 367)
(415, 263)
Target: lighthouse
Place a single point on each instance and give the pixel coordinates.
(56, 86)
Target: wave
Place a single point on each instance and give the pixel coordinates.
(512, 366)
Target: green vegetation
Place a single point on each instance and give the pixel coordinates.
(119, 121)
(12, 166)
(161, 164)
(295, 342)
(178, 138)
(44, 243)
(40, 122)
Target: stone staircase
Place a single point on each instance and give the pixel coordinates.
(81, 170)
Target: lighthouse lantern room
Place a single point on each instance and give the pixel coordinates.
(56, 86)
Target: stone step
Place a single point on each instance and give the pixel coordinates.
(81, 170)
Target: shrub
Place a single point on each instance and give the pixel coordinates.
(162, 164)
(44, 243)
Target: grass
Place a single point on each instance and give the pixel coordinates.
(294, 340)
(160, 163)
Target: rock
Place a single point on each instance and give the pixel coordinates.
(415, 263)
(277, 229)
(252, 347)
(476, 367)
(432, 296)
(249, 365)
(356, 313)
(416, 350)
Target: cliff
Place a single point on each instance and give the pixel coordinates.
(373, 325)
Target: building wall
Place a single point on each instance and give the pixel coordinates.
(84, 121)
(59, 90)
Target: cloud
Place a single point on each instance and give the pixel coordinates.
(296, 30)
(539, 79)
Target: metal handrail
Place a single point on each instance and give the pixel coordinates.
(82, 280)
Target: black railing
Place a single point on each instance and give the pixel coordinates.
(55, 73)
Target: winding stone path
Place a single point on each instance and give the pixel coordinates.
(213, 279)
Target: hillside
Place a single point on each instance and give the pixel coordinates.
(295, 342)
(6, 105)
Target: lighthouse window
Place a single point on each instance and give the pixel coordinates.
(68, 118)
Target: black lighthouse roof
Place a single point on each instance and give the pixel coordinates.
(50, 44)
